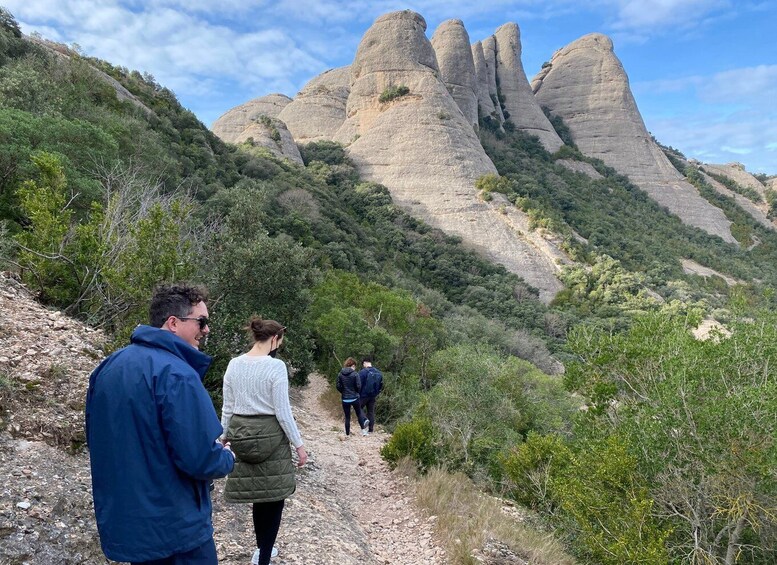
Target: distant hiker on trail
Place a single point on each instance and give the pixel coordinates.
(349, 384)
(371, 386)
(153, 436)
(257, 417)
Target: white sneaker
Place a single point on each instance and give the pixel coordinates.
(255, 556)
(366, 428)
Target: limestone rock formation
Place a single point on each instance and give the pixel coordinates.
(737, 173)
(485, 103)
(454, 57)
(422, 148)
(272, 134)
(318, 110)
(519, 102)
(489, 56)
(232, 123)
(587, 86)
(757, 210)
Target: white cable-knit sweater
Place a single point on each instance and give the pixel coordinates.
(259, 385)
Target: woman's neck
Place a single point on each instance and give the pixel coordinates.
(261, 348)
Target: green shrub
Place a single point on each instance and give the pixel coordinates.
(393, 92)
(414, 439)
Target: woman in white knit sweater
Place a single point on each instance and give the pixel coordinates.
(256, 386)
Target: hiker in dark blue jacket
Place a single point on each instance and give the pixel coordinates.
(153, 435)
(372, 384)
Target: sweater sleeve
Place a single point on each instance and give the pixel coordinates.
(282, 406)
(228, 404)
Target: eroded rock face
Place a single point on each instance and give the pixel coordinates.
(232, 123)
(272, 134)
(519, 101)
(454, 57)
(485, 103)
(318, 110)
(422, 148)
(737, 173)
(587, 86)
(489, 56)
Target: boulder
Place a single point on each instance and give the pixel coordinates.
(586, 85)
(421, 147)
(232, 123)
(318, 110)
(519, 102)
(485, 103)
(454, 57)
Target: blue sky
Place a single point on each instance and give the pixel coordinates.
(703, 72)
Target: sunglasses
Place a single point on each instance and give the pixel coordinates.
(202, 320)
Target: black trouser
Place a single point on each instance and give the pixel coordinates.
(370, 404)
(347, 411)
(267, 522)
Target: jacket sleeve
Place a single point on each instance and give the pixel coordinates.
(339, 384)
(357, 382)
(191, 427)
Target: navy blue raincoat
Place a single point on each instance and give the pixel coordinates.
(151, 430)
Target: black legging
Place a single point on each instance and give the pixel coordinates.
(267, 522)
(347, 411)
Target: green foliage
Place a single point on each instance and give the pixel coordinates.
(611, 512)
(493, 183)
(414, 439)
(393, 92)
(45, 246)
(693, 416)
(604, 290)
(479, 404)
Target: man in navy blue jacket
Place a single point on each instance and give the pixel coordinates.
(153, 435)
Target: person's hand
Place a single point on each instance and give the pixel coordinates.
(228, 447)
(302, 456)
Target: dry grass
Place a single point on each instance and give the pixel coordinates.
(468, 519)
(332, 402)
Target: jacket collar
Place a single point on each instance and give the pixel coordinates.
(162, 339)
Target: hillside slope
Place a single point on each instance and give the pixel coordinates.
(46, 512)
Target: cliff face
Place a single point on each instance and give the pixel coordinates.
(519, 102)
(425, 151)
(318, 110)
(586, 85)
(457, 68)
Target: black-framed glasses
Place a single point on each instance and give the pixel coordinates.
(202, 320)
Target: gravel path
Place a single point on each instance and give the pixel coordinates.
(348, 508)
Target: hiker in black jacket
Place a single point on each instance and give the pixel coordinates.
(349, 385)
(371, 385)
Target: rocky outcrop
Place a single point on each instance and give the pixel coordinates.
(318, 110)
(757, 210)
(454, 57)
(485, 103)
(256, 122)
(512, 84)
(489, 56)
(737, 173)
(232, 123)
(586, 85)
(422, 148)
(272, 134)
